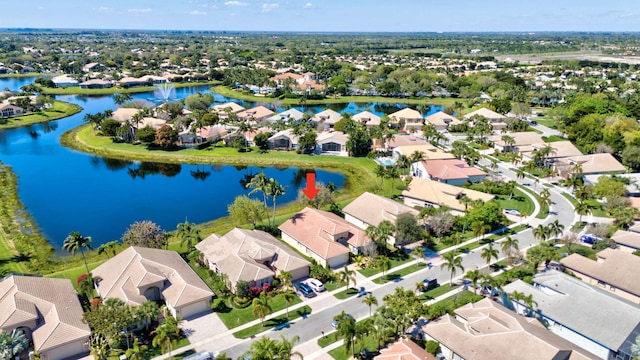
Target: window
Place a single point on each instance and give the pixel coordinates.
(601, 284)
(612, 288)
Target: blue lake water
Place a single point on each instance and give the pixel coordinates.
(66, 191)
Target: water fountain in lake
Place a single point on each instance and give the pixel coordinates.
(164, 92)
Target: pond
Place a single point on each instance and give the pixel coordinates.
(66, 190)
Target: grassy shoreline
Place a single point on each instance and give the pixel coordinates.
(59, 110)
(76, 90)
(226, 91)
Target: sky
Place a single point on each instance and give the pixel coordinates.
(327, 15)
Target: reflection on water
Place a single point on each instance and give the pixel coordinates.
(152, 168)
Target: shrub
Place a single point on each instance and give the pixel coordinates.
(255, 291)
(109, 127)
(81, 278)
(147, 134)
(242, 289)
(432, 347)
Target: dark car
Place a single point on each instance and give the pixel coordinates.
(589, 238)
(305, 290)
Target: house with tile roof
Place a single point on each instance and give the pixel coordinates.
(251, 255)
(614, 270)
(441, 121)
(333, 142)
(292, 115)
(600, 163)
(628, 241)
(367, 118)
(497, 121)
(327, 117)
(62, 81)
(283, 140)
(139, 274)
(404, 349)
(370, 210)
(423, 193)
(323, 236)
(48, 311)
(428, 152)
(486, 330)
(8, 110)
(449, 171)
(589, 317)
(412, 119)
(405, 140)
(522, 141)
(255, 114)
(223, 110)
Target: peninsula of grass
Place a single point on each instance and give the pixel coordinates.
(76, 90)
(59, 110)
(228, 92)
(24, 75)
(274, 323)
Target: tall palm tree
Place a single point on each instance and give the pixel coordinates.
(188, 234)
(288, 296)
(347, 330)
(582, 208)
(418, 253)
(541, 233)
(148, 312)
(545, 197)
(121, 98)
(489, 253)
(473, 276)
(370, 300)
(530, 303)
(384, 263)
(274, 189)
(452, 263)
(137, 351)
(510, 246)
(263, 349)
(74, 242)
(284, 348)
(261, 307)
(259, 183)
(347, 276)
(381, 172)
(12, 344)
(556, 229)
(108, 247)
(285, 278)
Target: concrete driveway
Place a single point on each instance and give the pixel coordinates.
(203, 327)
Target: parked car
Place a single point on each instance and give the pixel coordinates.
(533, 122)
(512, 212)
(334, 323)
(589, 238)
(305, 290)
(203, 355)
(315, 284)
(488, 290)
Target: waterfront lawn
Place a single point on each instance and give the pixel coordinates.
(73, 273)
(9, 261)
(274, 323)
(60, 109)
(228, 92)
(76, 90)
(236, 317)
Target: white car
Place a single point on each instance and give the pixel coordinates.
(512, 212)
(315, 284)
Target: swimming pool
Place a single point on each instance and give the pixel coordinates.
(385, 161)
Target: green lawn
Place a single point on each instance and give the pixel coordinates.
(547, 122)
(595, 207)
(73, 273)
(439, 291)
(345, 294)
(519, 201)
(553, 138)
(237, 317)
(341, 353)
(544, 209)
(59, 110)
(397, 275)
(585, 251)
(273, 322)
(8, 260)
(398, 258)
(226, 91)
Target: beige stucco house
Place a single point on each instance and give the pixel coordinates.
(139, 274)
(49, 313)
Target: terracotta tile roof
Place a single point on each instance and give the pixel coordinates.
(443, 194)
(488, 330)
(449, 169)
(318, 230)
(136, 267)
(373, 209)
(241, 255)
(257, 112)
(404, 349)
(613, 266)
(52, 302)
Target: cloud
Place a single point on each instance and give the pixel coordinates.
(235, 3)
(104, 9)
(196, 12)
(308, 5)
(145, 10)
(266, 7)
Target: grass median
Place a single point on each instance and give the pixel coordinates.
(275, 323)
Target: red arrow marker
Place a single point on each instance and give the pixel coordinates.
(311, 190)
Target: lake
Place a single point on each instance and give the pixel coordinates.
(66, 190)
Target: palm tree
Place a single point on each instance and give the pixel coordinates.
(556, 229)
(347, 330)
(259, 183)
(370, 300)
(109, 247)
(419, 285)
(517, 297)
(545, 197)
(489, 253)
(285, 278)
(167, 334)
(12, 344)
(507, 140)
(261, 307)
(541, 233)
(530, 303)
(188, 234)
(137, 351)
(381, 172)
(384, 263)
(510, 246)
(418, 253)
(347, 276)
(148, 312)
(473, 276)
(74, 242)
(452, 263)
(274, 189)
(582, 208)
(380, 234)
(288, 296)
(284, 348)
(121, 98)
(417, 156)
